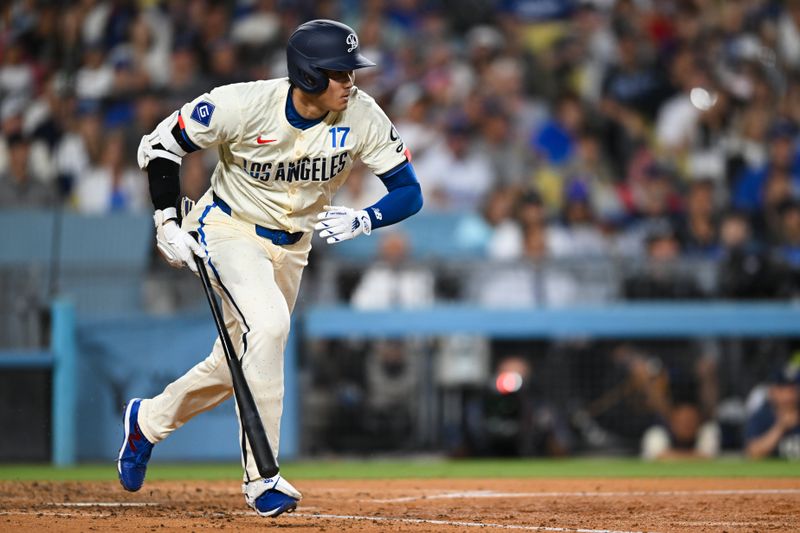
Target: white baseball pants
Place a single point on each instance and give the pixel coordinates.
(257, 282)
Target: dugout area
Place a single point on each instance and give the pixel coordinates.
(588, 495)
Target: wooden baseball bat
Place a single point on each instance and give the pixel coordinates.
(248, 412)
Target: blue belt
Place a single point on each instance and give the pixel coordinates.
(277, 236)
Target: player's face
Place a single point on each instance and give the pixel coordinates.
(335, 97)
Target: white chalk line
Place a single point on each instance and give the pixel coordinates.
(454, 523)
(457, 523)
(67, 514)
(106, 504)
(456, 495)
(699, 523)
(480, 494)
(60, 514)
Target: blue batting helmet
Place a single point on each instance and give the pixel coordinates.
(322, 44)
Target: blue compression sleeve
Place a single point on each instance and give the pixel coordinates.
(403, 199)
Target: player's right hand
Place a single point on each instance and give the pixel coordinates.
(338, 223)
(174, 244)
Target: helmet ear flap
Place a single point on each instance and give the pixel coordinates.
(319, 82)
(303, 73)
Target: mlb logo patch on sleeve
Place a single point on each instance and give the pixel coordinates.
(202, 113)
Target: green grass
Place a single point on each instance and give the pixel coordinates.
(414, 468)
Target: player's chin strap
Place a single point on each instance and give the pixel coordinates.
(254, 489)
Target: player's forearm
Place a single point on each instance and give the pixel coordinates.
(163, 176)
(397, 205)
(403, 199)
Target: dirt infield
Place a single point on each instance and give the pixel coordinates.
(589, 505)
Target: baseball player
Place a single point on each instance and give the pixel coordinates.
(285, 146)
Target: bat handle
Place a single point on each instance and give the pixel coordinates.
(198, 261)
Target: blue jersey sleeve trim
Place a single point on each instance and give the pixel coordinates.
(393, 171)
(186, 138)
(182, 138)
(399, 176)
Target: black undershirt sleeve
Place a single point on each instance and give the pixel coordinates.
(165, 183)
(164, 175)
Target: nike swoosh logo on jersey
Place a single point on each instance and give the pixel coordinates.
(265, 141)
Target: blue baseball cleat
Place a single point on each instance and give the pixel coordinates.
(274, 503)
(135, 451)
(271, 497)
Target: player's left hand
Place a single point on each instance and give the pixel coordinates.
(176, 246)
(337, 223)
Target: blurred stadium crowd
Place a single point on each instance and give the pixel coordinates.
(567, 129)
(589, 134)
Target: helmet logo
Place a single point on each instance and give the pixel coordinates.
(352, 42)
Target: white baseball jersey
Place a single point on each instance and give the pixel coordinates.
(278, 176)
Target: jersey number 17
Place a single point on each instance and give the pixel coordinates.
(343, 131)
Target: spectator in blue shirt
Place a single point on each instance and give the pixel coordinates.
(750, 188)
(555, 141)
(774, 429)
(788, 247)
